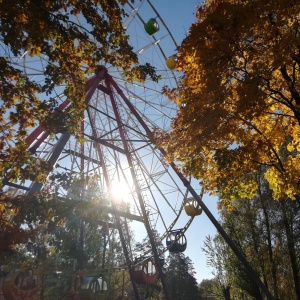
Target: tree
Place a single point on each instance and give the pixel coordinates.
(239, 98)
(218, 255)
(63, 233)
(50, 28)
(180, 277)
(267, 232)
(208, 289)
(52, 212)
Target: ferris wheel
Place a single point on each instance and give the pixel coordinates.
(117, 128)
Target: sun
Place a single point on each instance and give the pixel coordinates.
(121, 191)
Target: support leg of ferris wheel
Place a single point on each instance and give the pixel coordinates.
(117, 218)
(33, 142)
(110, 84)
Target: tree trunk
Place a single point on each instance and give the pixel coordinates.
(270, 251)
(260, 259)
(291, 249)
(226, 292)
(269, 243)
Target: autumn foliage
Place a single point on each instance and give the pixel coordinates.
(238, 98)
(71, 38)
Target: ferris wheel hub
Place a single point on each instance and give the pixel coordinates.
(101, 70)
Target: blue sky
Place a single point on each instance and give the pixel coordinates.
(178, 16)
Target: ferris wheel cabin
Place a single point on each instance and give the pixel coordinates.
(192, 208)
(92, 288)
(22, 283)
(145, 273)
(176, 241)
(171, 62)
(151, 26)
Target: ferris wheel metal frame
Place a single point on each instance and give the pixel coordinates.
(54, 149)
(104, 82)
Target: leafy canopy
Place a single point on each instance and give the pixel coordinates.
(238, 98)
(72, 37)
(65, 202)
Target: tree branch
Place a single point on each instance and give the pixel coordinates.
(290, 82)
(268, 142)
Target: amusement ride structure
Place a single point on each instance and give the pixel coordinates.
(119, 120)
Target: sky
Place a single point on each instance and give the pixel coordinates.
(178, 15)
